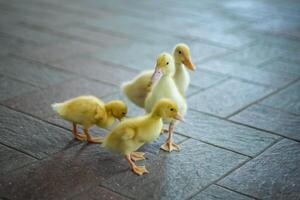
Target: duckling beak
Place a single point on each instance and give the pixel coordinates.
(156, 75)
(188, 63)
(178, 117)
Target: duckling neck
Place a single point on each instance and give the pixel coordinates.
(181, 78)
(107, 120)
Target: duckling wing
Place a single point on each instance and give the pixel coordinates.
(99, 113)
(137, 89)
(128, 134)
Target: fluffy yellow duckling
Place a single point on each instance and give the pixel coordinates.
(88, 111)
(166, 87)
(137, 89)
(132, 133)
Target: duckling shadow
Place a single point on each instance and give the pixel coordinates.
(71, 143)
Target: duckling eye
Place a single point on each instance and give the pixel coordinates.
(172, 109)
(179, 52)
(167, 63)
(124, 113)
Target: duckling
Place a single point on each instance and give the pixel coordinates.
(137, 89)
(132, 133)
(165, 87)
(88, 111)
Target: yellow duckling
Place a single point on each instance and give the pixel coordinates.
(137, 89)
(132, 133)
(166, 87)
(88, 111)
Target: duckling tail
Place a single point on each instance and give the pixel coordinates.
(57, 107)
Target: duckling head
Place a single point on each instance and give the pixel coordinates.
(166, 108)
(164, 66)
(182, 54)
(117, 108)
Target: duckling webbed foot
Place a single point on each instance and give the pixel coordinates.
(135, 156)
(80, 137)
(140, 170)
(170, 146)
(90, 139)
(95, 140)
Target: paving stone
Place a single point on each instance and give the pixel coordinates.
(11, 88)
(32, 136)
(96, 193)
(215, 192)
(203, 79)
(272, 175)
(266, 118)
(287, 99)
(222, 133)
(56, 52)
(176, 175)
(44, 98)
(287, 26)
(9, 44)
(63, 175)
(255, 54)
(30, 35)
(95, 69)
(219, 37)
(32, 72)
(281, 66)
(96, 36)
(11, 159)
(192, 90)
(226, 98)
(249, 73)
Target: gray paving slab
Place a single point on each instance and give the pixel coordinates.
(63, 175)
(272, 175)
(250, 73)
(287, 99)
(215, 192)
(10, 88)
(30, 135)
(176, 175)
(32, 72)
(225, 134)
(226, 98)
(270, 119)
(39, 102)
(282, 65)
(95, 69)
(12, 159)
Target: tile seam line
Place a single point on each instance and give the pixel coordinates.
(19, 81)
(49, 66)
(67, 36)
(18, 150)
(247, 195)
(236, 168)
(212, 144)
(246, 80)
(279, 109)
(33, 117)
(245, 125)
(263, 98)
